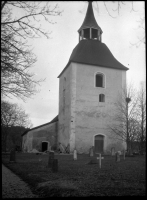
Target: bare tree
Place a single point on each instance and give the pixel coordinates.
(141, 114)
(16, 55)
(12, 115)
(125, 116)
(114, 8)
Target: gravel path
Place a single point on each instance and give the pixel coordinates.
(13, 186)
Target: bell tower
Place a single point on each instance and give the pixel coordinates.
(88, 88)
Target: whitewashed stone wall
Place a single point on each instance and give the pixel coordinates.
(64, 108)
(83, 116)
(33, 139)
(93, 117)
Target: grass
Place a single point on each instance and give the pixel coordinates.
(78, 178)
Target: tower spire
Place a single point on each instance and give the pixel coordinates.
(90, 29)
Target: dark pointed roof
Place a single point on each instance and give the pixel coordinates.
(94, 52)
(89, 21)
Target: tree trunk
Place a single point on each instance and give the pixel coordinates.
(4, 141)
(141, 145)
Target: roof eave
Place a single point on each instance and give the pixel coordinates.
(64, 69)
(86, 26)
(52, 121)
(125, 68)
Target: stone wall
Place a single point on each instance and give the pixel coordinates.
(33, 139)
(91, 116)
(81, 115)
(64, 115)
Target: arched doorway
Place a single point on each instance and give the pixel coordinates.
(99, 143)
(44, 146)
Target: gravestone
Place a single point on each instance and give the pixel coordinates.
(130, 152)
(124, 154)
(119, 152)
(55, 166)
(117, 158)
(12, 155)
(75, 154)
(51, 158)
(91, 152)
(113, 151)
(100, 159)
(93, 159)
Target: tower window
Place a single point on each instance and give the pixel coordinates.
(101, 98)
(99, 80)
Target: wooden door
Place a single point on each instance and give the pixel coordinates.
(99, 143)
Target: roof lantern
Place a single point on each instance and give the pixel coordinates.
(90, 29)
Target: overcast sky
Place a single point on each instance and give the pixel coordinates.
(53, 54)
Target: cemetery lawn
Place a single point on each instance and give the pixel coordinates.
(78, 178)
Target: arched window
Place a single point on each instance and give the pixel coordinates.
(101, 98)
(99, 80)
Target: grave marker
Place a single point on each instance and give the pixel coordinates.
(93, 159)
(51, 158)
(12, 155)
(130, 152)
(117, 157)
(100, 159)
(91, 152)
(124, 154)
(55, 166)
(113, 151)
(119, 152)
(75, 154)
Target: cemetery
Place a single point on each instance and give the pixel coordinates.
(82, 151)
(53, 174)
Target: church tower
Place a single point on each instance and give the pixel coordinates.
(88, 88)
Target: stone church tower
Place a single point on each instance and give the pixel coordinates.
(88, 87)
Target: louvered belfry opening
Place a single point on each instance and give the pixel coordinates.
(94, 34)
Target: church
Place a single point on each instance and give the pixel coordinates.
(88, 88)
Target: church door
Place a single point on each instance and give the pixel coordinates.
(99, 143)
(44, 146)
